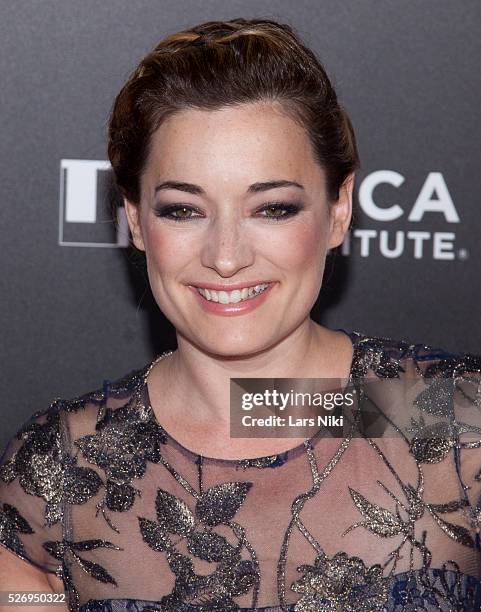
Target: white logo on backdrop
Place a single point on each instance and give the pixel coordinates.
(79, 200)
(433, 197)
(79, 203)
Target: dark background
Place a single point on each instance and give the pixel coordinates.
(76, 311)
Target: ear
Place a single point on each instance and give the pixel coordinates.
(133, 217)
(341, 213)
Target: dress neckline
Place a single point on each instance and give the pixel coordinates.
(262, 461)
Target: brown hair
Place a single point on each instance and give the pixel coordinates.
(223, 63)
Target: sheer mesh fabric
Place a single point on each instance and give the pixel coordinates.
(94, 489)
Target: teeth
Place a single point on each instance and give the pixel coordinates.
(232, 297)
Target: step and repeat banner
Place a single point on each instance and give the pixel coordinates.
(76, 307)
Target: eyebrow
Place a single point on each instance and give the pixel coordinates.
(196, 190)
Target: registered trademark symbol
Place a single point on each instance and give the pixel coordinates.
(463, 254)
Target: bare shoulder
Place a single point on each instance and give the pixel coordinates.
(17, 574)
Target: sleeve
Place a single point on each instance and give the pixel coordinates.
(468, 424)
(32, 473)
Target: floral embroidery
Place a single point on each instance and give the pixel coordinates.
(432, 443)
(44, 469)
(263, 462)
(58, 549)
(371, 354)
(232, 576)
(11, 522)
(340, 584)
(126, 440)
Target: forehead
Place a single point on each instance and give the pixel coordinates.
(237, 144)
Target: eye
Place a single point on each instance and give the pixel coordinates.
(275, 211)
(168, 212)
(278, 211)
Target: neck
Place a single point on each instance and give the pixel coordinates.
(194, 380)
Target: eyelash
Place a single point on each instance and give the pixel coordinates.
(289, 208)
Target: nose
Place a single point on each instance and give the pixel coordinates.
(227, 248)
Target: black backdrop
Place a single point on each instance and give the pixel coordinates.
(75, 310)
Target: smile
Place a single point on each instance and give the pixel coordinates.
(238, 301)
(232, 297)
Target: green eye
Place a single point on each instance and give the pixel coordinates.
(280, 211)
(185, 213)
(276, 210)
(176, 212)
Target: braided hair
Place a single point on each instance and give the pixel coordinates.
(225, 63)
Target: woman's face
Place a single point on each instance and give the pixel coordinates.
(249, 208)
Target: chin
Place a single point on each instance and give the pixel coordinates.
(233, 347)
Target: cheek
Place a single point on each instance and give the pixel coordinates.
(166, 251)
(299, 246)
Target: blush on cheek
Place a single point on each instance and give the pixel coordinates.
(168, 251)
(300, 248)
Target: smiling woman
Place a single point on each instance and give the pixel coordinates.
(223, 231)
(236, 165)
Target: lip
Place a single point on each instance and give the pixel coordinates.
(238, 308)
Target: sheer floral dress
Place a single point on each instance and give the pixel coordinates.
(95, 490)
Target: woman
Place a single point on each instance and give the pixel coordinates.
(236, 164)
